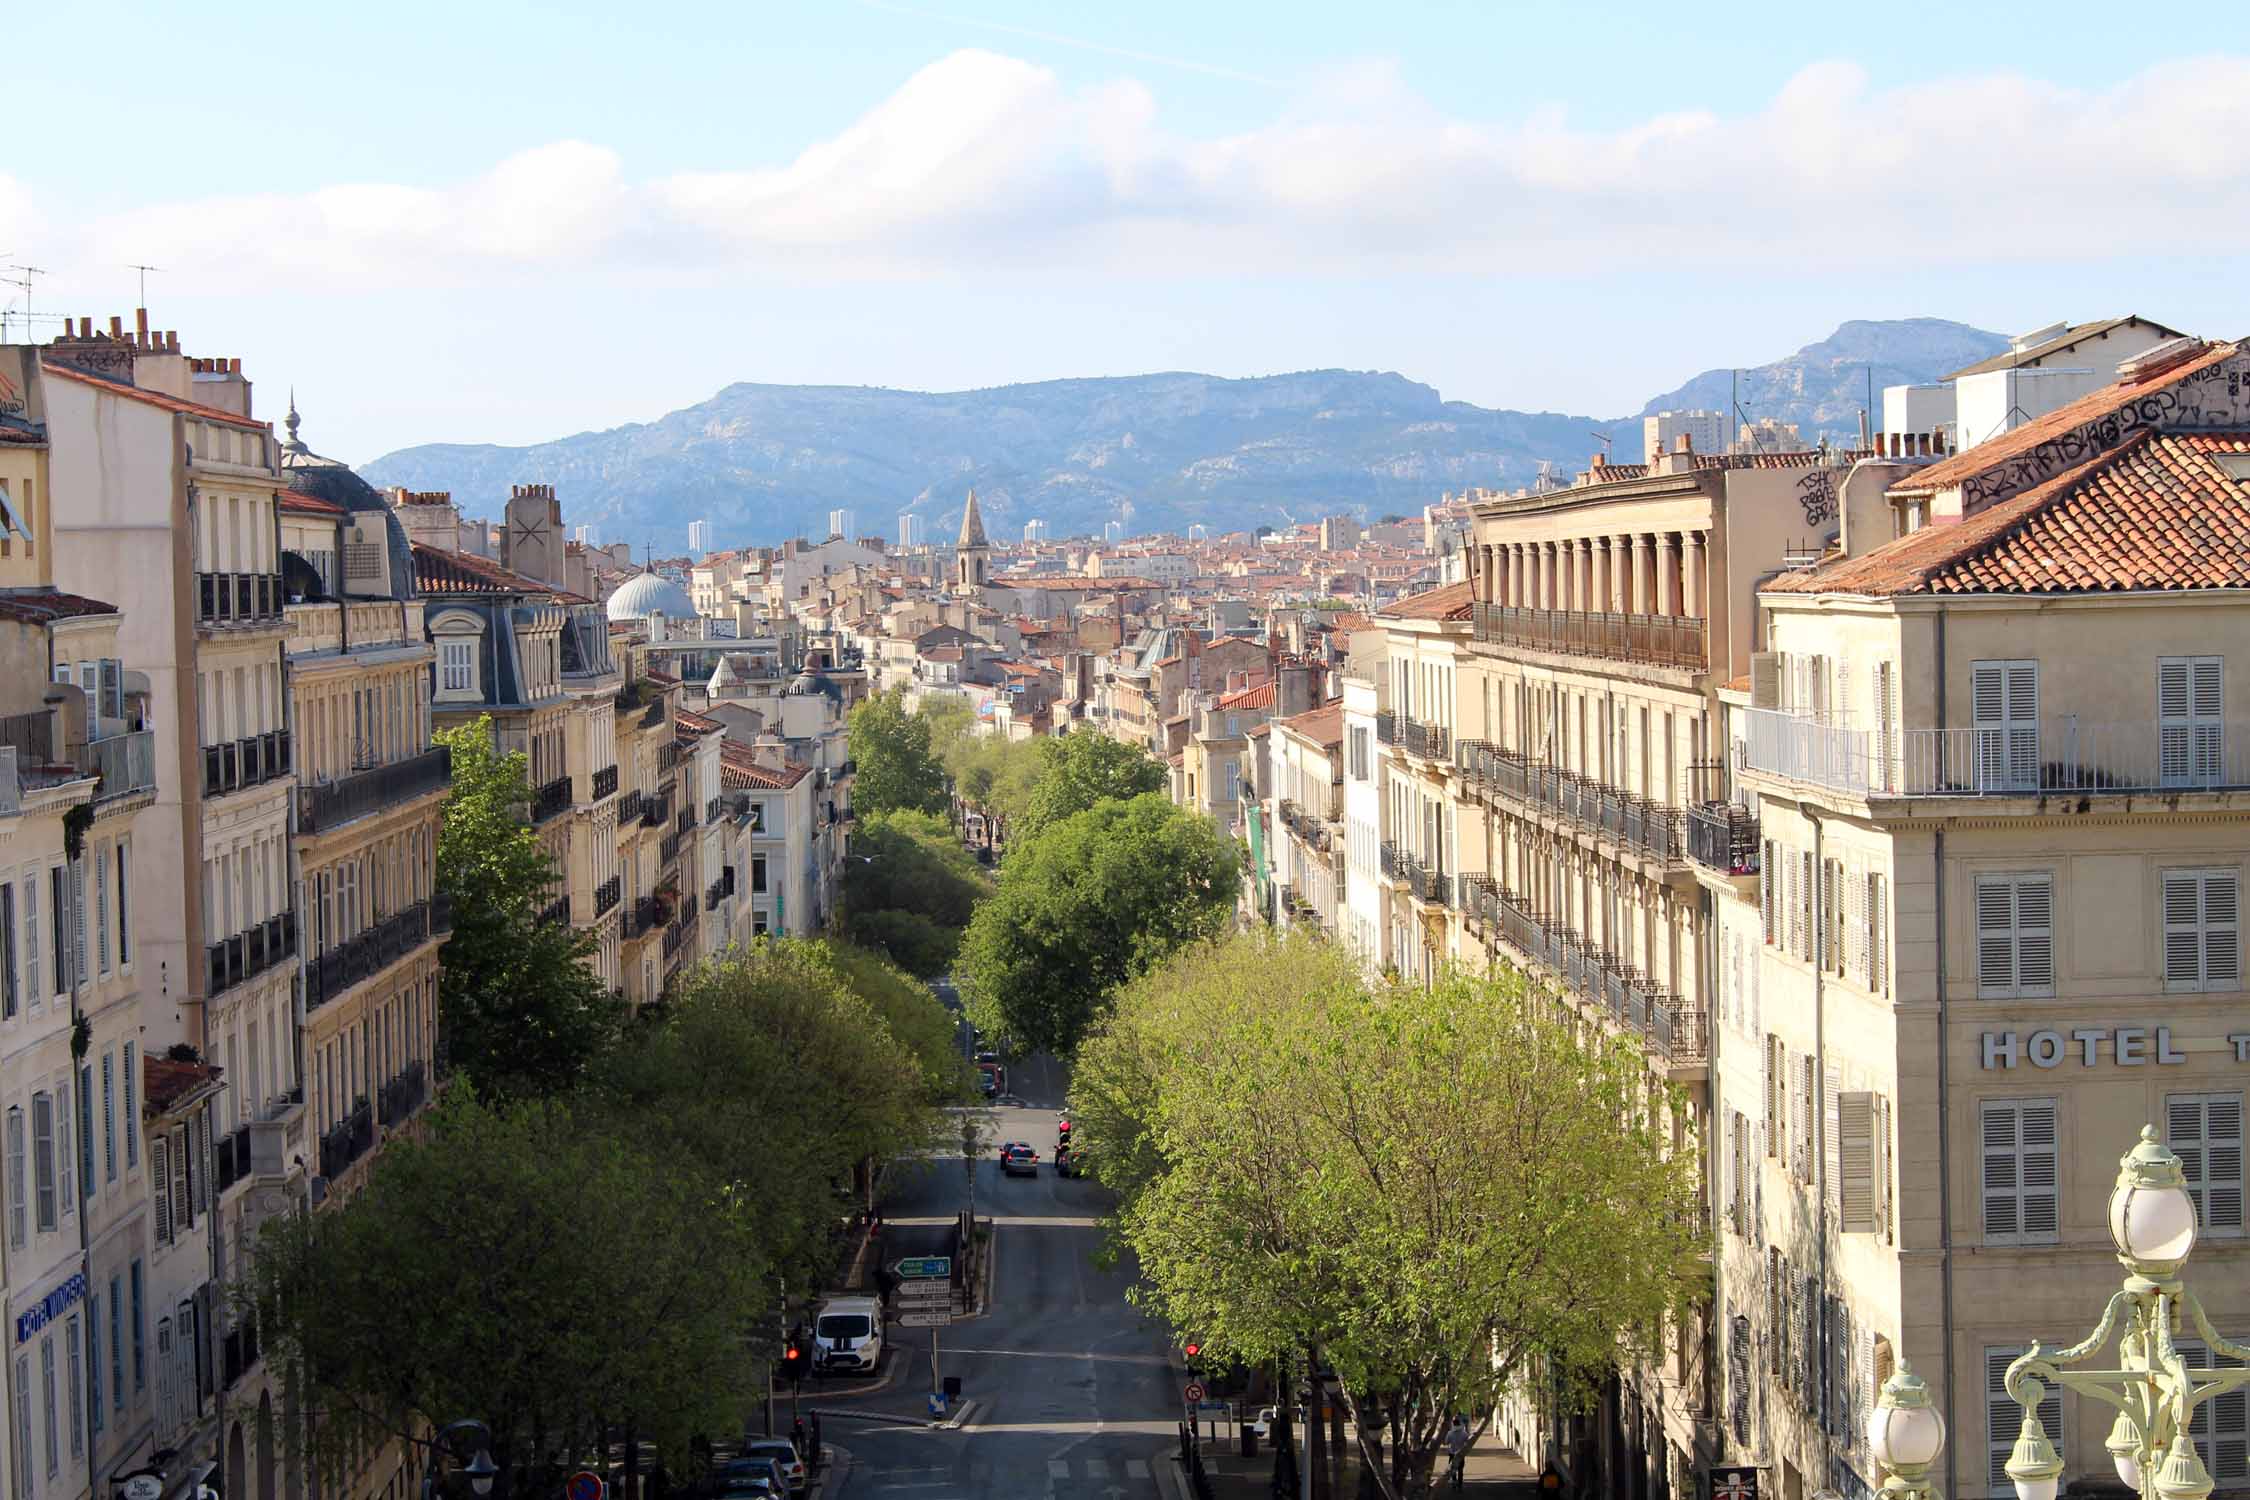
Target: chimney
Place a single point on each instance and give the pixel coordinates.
(116, 328)
(1600, 462)
(140, 326)
(770, 751)
(1682, 444)
(1294, 695)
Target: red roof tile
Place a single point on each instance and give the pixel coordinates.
(1261, 696)
(1446, 602)
(165, 1083)
(2158, 513)
(738, 766)
(44, 606)
(437, 571)
(297, 503)
(1323, 725)
(156, 398)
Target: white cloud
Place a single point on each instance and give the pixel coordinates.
(985, 161)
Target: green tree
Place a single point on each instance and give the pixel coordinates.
(1091, 902)
(891, 753)
(909, 889)
(1448, 1189)
(527, 1265)
(910, 1012)
(522, 1013)
(1078, 770)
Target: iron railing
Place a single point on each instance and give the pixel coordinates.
(656, 809)
(1723, 836)
(237, 598)
(606, 895)
(126, 763)
(1660, 640)
(629, 808)
(251, 952)
(1386, 727)
(550, 800)
(347, 1141)
(1429, 741)
(555, 913)
(1648, 826)
(404, 1093)
(331, 804)
(640, 918)
(248, 761)
(668, 849)
(605, 782)
(1671, 1027)
(368, 953)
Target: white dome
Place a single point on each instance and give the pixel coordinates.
(646, 594)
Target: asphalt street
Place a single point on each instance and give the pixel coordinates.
(1071, 1387)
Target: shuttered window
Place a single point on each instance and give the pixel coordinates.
(109, 1117)
(132, 1113)
(101, 909)
(2020, 1191)
(2015, 936)
(2191, 718)
(2221, 1425)
(1767, 893)
(43, 1158)
(1856, 1163)
(1774, 1084)
(160, 1159)
(2205, 1131)
(1738, 1379)
(16, 1177)
(1808, 932)
(2202, 930)
(8, 991)
(2004, 708)
(1777, 1314)
(2003, 1418)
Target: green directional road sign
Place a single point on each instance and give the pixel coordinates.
(915, 1267)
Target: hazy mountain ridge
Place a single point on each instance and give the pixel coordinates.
(764, 462)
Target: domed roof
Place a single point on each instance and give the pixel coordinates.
(646, 594)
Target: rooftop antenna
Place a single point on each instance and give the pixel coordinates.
(21, 279)
(1602, 438)
(134, 265)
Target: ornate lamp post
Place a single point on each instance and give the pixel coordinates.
(1906, 1433)
(480, 1468)
(2152, 1222)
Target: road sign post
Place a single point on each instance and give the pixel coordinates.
(1193, 1393)
(933, 1317)
(925, 1268)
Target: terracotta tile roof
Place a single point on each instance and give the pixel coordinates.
(738, 766)
(1603, 472)
(695, 723)
(297, 503)
(44, 606)
(1323, 725)
(437, 571)
(1261, 696)
(157, 398)
(1447, 602)
(165, 1083)
(664, 677)
(2158, 513)
(1258, 731)
(1947, 473)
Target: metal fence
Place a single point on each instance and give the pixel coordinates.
(1661, 640)
(2062, 755)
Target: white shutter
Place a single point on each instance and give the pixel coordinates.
(2004, 707)
(1771, 1070)
(2205, 1130)
(1831, 1160)
(1766, 893)
(2020, 1178)
(101, 909)
(2202, 930)
(1879, 925)
(1883, 1166)
(2191, 718)
(1855, 1158)
(2004, 1418)
(2221, 1425)
(1886, 727)
(1797, 1106)
(160, 1165)
(2015, 936)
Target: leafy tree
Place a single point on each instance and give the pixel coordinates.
(910, 1012)
(522, 1013)
(1447, 1189)
(1090, 902)
(525, 1264)
(909, 889)
(1078, 770)
(891, 753)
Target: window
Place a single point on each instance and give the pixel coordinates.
(101, 909)
(2205, 1130)
(23, 1425)
(116, 1346)
(140, 1362)
(1738, 1378)
(1854, 1123)
(78, 969)
(2221, 1426)
(457, 667)
(160, 1156)
(56, 930)
(15, 1178)
(76, 1364)
(757, 873)
(86, 1131)
(109, 1116)
(2003, 1418)
(2019, 1182)
(43, 1157)
(33, 988)
(47, 1383)
(66, 1165)
(2004, 708)
(2015, 936)
(2202, 934)
(8, 950)
(132, 1115)
(2190, 718)
(124, 908)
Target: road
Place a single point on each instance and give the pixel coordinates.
(1070, 1385)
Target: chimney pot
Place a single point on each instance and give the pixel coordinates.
(140, 326)
(171, 341)
(116, 328)
(1681, 444)
(234, 365)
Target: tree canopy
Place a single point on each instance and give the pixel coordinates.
(523, 1013)
(893, 765)
(1078, 770)
(909, 889)
(1092, 901)
(1447, 1189)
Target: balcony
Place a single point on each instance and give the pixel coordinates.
(555, 913)
(1307, 830)
(550, 801)
(441, 914)
(2064, 756)
(238, 598)
(250, 952)
(606, 895)
(668, 849)
(367, 954)
(1673, 1030)
(403, 1095)
(656, 810)
(1723, 836)
(1386, 728)
(641, 918)
(674, 935)
(715, 809)
(1429, 741)
(1655, 640)
(246, 762)
(230, 1159)
(719, 889)
(686, 821)
(1637, 824)
(629, 809)
(669, 756)
(605, 783)
(347, 1141)
(239, 1354)
(1390, 861)
(653, 715)
(327, 805)
(125, 763)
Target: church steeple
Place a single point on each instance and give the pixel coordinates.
(972, 554)
(972, 526)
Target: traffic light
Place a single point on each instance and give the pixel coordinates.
(1193, 1350)
(793, 1361)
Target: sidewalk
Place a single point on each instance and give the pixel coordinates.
(1493, 1472)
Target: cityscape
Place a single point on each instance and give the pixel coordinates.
(1026, 929)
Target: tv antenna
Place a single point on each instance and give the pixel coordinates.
(1604, 439)
(134, 265)
(1546, 479)
(20, 277)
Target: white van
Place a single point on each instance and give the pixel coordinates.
(848, 1334)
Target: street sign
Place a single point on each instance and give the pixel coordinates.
(926, 1318)
(1194, 1393)
(914, 1267)
(911, 1293)
(937, 1403)
(583, 1485)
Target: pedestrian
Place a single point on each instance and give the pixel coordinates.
(1457, 1449)
(799, 1438)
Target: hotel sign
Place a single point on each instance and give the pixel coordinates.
(50, 1307)
(2090, 1046)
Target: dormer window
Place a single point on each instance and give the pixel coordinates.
(458, 635)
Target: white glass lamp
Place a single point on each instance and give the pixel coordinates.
(2151, 1216)
(1905, 1431)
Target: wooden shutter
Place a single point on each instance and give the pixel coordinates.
(1765, 679)
(2004, 707)
(2191, 718)
(1808, 884)
(101, 909)
(1776, 1312)
(1842, 1371)
(1796, 1120)
(1855, 1158)
(1886, 727)
(2015, 936)
(2020, 1180)
(160, 1161)
(1883, 1166)
(1772, 1071)
(2004, 1418)
(1766, 892)
(2221, 1425)
(77, 886)
(1738, 1378)
(2205, 1130)
(1879, 933)
(2202, 930)
(1831, 1160)
(183, 1218)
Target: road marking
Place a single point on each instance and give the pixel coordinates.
(1136, 1468)
(1058, 1468)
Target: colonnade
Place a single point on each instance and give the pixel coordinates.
(1636, 573)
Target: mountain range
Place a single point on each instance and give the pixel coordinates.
(1156, 452)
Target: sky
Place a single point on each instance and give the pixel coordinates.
(503, 222)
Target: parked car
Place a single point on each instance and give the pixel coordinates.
(759, 1469)
(1018, 1160)
(783, 1452)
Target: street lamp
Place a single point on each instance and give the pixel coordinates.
(2152, 1222)
(1906, 1433)
(480, 1468)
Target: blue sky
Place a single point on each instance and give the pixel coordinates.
(501, 222)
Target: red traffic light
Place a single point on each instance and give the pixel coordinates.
(792, 1354)
(1193, 1350)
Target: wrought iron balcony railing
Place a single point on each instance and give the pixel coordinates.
(324, 805)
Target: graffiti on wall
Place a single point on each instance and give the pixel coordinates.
(2216, 396)
(1816, 495)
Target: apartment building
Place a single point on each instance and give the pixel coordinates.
(647, 759)
(1302, 792)
(1425, 639)
(770, 803)
(1997, 805)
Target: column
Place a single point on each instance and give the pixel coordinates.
(1640, 592)
(1695, 604)
(1620, 574)
(1597, 593)
(1583, 550)
(1667, 573)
